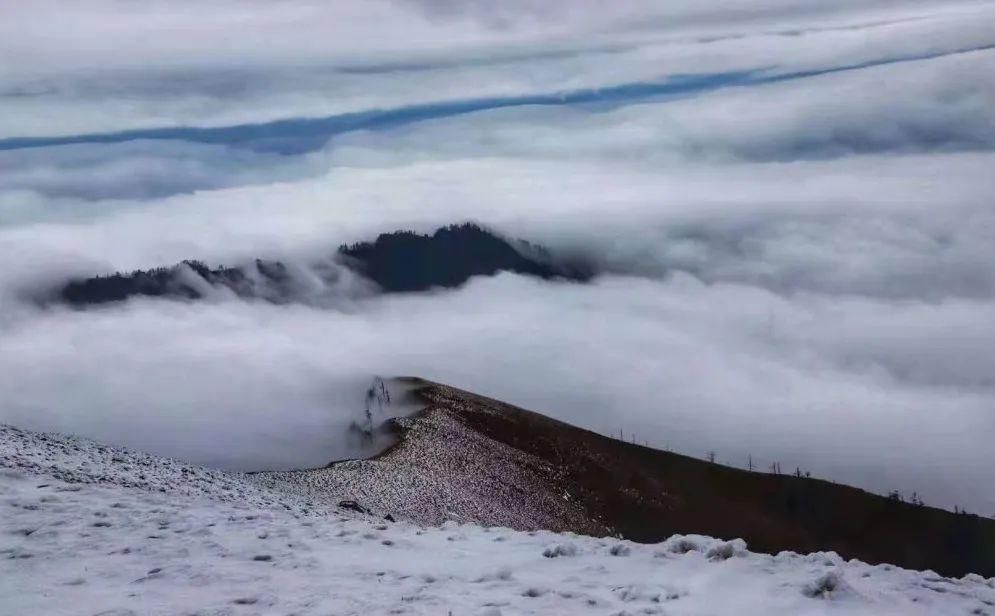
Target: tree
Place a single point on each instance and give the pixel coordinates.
(377, 397)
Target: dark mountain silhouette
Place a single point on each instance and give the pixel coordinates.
(406, 261)
(185, 280)
(491, 463)
(402, 261)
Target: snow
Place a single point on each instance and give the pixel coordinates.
(88, 529)
(442, 470)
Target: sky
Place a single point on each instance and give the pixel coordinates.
(790, 202)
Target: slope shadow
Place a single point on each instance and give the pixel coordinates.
(647, 495)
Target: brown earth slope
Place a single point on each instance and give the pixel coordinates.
(479, 460)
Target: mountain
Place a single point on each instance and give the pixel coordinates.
(186, 280)
(91, 528)
(402, 261)
(406, 261)
(479, 460)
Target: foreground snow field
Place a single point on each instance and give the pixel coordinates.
(88, 529)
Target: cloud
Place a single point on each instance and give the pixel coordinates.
(882, 394)
(137, 169)
(926, 123)
(105, 66)
(891, 225)
(798, 268)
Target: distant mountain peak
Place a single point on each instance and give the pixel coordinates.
(397, 262)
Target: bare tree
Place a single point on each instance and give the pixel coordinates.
(377, 397)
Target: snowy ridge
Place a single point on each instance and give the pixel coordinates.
(90, 529)
(80, 461)
(478, 460)
(442, 470)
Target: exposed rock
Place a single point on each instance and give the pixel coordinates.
(352, 506)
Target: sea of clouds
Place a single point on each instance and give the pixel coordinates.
(791, 202)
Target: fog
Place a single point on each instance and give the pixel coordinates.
(796, 263)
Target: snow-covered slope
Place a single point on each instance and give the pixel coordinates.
(443, 470)
(88, 529)
(465, 457)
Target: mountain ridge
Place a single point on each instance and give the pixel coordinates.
(396, 262)
(122, 532)
(480, 460)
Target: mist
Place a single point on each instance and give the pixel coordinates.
(795, 261)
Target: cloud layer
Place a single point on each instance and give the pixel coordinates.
(796, 235)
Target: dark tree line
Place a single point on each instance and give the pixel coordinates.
(407, 261)
(402, 261)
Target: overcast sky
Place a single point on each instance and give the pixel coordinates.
(792, 200)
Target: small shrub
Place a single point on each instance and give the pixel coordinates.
(561, 549)
(826, 586)
(620, 549)
(683, 545)
(725, 550)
